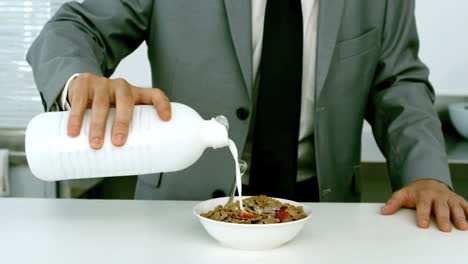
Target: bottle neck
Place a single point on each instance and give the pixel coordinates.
(214, 134)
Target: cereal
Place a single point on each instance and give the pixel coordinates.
(258, 210)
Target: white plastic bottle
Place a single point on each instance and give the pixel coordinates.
(152, 145)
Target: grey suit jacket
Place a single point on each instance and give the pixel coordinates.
(201, 55)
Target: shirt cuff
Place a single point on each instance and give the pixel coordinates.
(63, 96)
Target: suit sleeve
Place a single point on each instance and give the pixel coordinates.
(90, 37)
(400, 110)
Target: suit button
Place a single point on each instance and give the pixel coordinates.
(218, 193)
(242, 113)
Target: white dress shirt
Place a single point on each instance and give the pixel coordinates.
(310, 8)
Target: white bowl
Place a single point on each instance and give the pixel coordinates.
(459, 115)
(249, 236)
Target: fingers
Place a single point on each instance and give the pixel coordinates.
(458, 215)
(431, 197)
(103, 92)
(397, 201)
(79, 103)
(423, 213)
(442, 214)
(100, 110)
(123, 115)
(157, 98)
(162, 105)
(464, 205)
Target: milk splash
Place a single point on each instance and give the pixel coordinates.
(233, 149)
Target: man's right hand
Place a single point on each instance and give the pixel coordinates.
(99, 94)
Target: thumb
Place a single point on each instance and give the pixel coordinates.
(397, 201)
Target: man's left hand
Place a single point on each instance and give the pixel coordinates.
(430, 196)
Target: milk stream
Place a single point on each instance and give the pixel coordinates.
(233, 148)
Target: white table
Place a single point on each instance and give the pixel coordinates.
(105, 231)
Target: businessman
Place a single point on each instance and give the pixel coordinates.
(296, 79)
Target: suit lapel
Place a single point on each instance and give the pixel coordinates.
(239, 16)
(330, 14)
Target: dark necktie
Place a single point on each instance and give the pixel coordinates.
(276, 127)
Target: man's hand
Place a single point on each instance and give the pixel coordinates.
(431, 196)
(99, 93)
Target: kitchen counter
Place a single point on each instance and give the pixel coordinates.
(117, 231)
